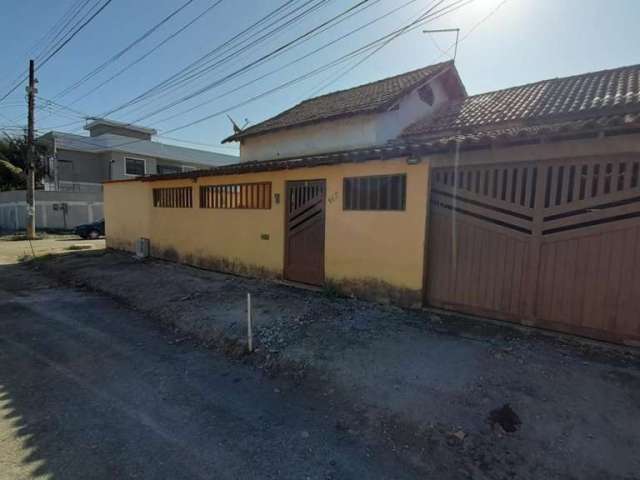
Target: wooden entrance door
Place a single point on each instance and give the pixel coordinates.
(304, 247)
(552, 243)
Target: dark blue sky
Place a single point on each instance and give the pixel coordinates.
(523, 41)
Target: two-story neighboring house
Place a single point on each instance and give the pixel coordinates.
(114, 150)
(76, 166)
(360, 117)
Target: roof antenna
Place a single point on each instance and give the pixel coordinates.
(236, 128)
(443, 30)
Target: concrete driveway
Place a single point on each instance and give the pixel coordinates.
(92, 390)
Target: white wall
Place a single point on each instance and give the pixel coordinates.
(54, 210)
(411, 109)
(359, 131)
(335, 135)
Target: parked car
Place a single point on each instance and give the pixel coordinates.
(90, 230)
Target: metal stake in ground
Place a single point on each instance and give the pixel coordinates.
(31, 153)
(249, 321)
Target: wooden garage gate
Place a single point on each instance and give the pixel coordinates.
(551, 243)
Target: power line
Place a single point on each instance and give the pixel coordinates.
(351, 68)
(194, 70)
(65, 107)
(424, 18)
(67, 26)
(251, 65)
(58, 26)
(323, 27)
(122, 52)
(307, 55)
(203, 64)
(477, 24)
(429, 15)
(262, 20)
(381, 46)
(141, 58)
(68, 14)
(62, 44)
(74, 33)
(293, 62)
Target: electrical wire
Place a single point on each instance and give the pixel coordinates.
(370, 48)
(123, 51)
(199, 72)
(356, 65)
(475, 27)
(191, 71)
(293, 62)
(424, 18)
(203, 64)
(74, 33)
(251, 65)
(149, 52)
(262, 20)
(67, 26)
(62, 44)
(35, 47)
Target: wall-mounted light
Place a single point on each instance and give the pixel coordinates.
(276, 198)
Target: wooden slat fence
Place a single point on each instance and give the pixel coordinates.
(554, 243)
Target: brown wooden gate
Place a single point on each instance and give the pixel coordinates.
(304, 245)
(552, 243)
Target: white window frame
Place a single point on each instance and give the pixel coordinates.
(144, 160)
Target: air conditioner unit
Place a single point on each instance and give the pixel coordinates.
(142, 248)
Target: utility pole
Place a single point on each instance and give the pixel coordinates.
(31, 154)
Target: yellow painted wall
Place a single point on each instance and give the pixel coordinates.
(362, 249)
(126, 213)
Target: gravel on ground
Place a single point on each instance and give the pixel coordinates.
(486, 399)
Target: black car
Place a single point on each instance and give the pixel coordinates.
(90, 230)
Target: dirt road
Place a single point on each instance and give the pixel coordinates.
(362, 390)
(425, 383)
(11, 250)
(92, 390)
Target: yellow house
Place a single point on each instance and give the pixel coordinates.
(514, 204)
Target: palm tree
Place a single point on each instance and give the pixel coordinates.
(13, 161)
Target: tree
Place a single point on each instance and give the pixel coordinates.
(13, 161)
(11, 177)
(14, 150)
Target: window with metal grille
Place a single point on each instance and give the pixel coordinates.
(179, 197)
(241, 195)
(378, 192)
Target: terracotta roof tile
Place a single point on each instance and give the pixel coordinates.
(617, 123)
(579, 96)
(368, 98)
